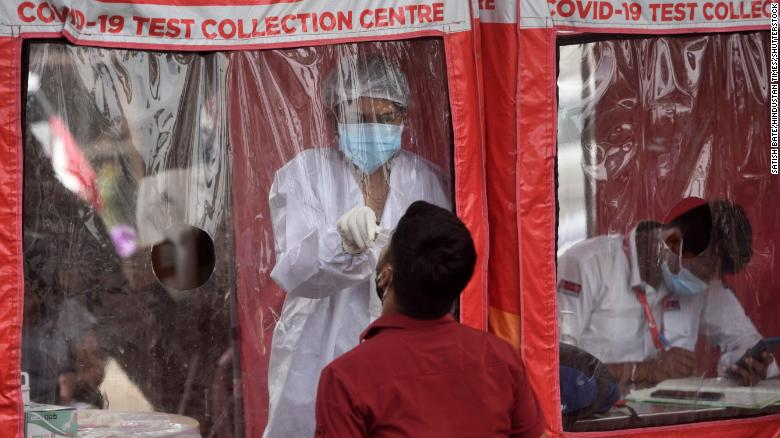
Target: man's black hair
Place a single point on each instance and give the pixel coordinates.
(733, 235)
(433, 257)
(725, 225)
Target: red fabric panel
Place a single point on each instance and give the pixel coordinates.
(536, 209)
(468, 159)
(11, 275)
(499, 63)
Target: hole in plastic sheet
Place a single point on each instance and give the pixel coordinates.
(185, 258)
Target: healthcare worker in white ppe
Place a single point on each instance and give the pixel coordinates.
(639, 302)
(330, 209)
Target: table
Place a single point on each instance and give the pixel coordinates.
(651, 414)
(95, 423)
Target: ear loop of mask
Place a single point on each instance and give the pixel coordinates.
(679, 256)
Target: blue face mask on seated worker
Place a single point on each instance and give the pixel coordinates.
(683, 282)
(369, 145)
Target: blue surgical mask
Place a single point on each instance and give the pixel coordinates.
(369, 145)
(683, 282)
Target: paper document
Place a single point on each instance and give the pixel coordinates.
(765, 393)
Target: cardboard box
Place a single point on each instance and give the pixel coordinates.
(47, 421)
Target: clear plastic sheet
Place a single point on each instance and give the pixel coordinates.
(120, 148)
(128, 153)
(290, 103)
(644, 123)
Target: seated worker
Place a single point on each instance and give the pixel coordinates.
(327, 205)
(418, 372)
(639, 302)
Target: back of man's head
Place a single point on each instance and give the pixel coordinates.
(733, 235)
(721, 226)
(433, 257)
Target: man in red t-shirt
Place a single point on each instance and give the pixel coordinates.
(417, 372)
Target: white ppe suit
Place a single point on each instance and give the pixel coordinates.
(329, 292)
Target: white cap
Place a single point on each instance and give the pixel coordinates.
(365, 76)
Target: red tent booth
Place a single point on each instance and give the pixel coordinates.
(620, 111)
(171, 174)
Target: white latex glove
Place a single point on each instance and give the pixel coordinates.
(357, 229)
